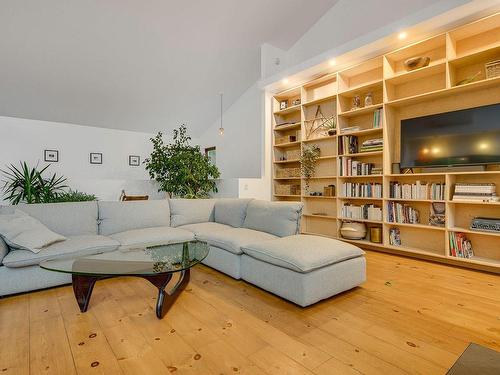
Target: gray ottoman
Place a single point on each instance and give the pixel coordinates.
(303, 269)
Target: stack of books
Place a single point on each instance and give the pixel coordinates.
(402, 213)
(351, 129)
(394, 237)
(371, 145)
(348, 144)
(361, 190)
(349, 167)
(377, 118)
(418, 190)
(475, 192)
(460, 246)
(365, 211)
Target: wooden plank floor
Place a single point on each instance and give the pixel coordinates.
(410, 317)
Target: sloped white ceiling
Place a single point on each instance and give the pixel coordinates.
(138, 65)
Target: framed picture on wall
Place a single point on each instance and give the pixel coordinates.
(95, 158)
(51, 156)
(134, 160)
(211, 153)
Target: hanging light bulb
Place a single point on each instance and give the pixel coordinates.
(221, 129)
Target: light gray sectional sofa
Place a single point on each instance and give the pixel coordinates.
(254, 240)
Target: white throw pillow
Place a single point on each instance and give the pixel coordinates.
(21, 231)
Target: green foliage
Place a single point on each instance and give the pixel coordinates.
(308, 158)
(28, 185)
(73, 196)
(181, 169)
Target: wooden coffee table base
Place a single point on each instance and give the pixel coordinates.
(84, 284)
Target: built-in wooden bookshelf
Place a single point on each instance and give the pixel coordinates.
(396, 94)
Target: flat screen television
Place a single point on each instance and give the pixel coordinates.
(465, 137)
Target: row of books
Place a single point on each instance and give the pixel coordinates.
(460, 246)
(348, 144)
(475, 192)
(364, 211)
(350, 167)
(361, 190)
(402, 213)
(378, 115)
(371, 145)
(418, 190)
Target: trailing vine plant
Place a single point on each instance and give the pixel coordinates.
(308, 159)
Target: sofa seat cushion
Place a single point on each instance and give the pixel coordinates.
(73, 246)
(205, 228)
(302, 253)
(233, 239)
(151, 237)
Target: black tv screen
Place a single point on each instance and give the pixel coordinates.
(465, 137)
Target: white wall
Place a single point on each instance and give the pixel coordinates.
(240, 149)
(26, 140)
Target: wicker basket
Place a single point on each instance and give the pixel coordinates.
(287, 172)
(286, 189)
(492, 69)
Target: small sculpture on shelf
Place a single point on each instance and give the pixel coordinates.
(417, 62)
(356, 102)
(368, 99)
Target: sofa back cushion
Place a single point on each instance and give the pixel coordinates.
(68, 219)
(278, 218)
(231, 211)
(191, 211)
(115, 217)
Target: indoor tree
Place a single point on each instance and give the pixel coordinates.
(180, 168)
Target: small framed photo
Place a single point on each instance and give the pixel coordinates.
(95, 158)
(134, 160)
(51, 156)
(211, 153)
(283, 104)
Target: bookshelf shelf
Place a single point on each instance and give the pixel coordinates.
(362, 154)
(293, 108)
(361, 220)
(317, 197)
(397, 94)
(328, 217)
(421, 226)
(287, 144)
(464, 230)
(293, 126)
(287, 161)
(360, 111)
(363, 132)
(320, 100)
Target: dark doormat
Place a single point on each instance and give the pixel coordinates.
(477, 359)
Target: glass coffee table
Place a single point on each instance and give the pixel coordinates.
(156, 264)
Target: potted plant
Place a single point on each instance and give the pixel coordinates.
(330, 125)
(308, 159)
(27, 184)
(180, 169)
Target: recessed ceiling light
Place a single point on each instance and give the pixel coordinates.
(332, 62)
(285, 81)
(402, 35)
